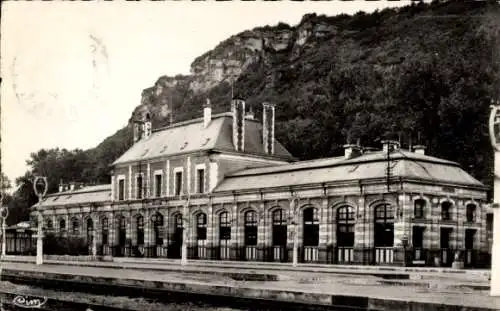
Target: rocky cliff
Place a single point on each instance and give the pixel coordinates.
(425, 72)
(230, 59)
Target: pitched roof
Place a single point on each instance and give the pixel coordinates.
(99, 193)
(368, 166)
(191, 136)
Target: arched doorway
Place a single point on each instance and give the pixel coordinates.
(384, 233)
(90, 234)
(62, 226)
(157, 224)
(201, 236)
(224, 235)
(345, 234)
(250, 235)
(105, 237)
(310, 235)
(446, 233)
(177, 236)
(417, 233)
(139, 229)
(48, 224)
(279, 232)
(75, 226)
(122, 236)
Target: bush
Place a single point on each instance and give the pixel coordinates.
(62, 245)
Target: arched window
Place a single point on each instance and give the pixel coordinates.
(201, 235)
(345, 226)
(178, 221)
(279, 228)
(62, 224)
(157, 220)
(140, 230)
(75, 226)
(384, 225)
(224, 234)
(48, 224)
(105, 231)
(279, 233)
(311, 227)
(90, 229)
(471, 212)
(446, 210)
(224, 226)
(278, 217)
(250, 228)
(419, 207)
(122, 231)
(177, 236)
(201, 227)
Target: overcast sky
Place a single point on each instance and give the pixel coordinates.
(72, 72)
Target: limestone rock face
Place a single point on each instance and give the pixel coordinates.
(230, 59)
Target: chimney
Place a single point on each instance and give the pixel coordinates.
(351, 151)
(238, 110)
(420, 149)
(138, 129)
(268, 127)
(390, 145)
(250, 115)
(147, 126)
(207, 113)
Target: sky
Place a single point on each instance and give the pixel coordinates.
(72, 72)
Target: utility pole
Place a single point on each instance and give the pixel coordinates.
(494, 131)
(185, 236)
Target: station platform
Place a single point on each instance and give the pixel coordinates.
(262, 267)
(377, 288)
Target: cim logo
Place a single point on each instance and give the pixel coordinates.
(29, 302)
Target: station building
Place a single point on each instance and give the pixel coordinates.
(221, 187)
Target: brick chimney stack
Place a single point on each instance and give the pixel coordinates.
(238, 110)
(268, 127)
(207, 113)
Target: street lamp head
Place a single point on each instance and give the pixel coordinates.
(40, 186)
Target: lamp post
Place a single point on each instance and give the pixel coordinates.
(185, 225)
(293, 209)
(4, 213)
(494, 129)
(40, 186)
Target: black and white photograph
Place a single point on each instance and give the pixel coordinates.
(250, 155)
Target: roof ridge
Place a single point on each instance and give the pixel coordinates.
(192, 121)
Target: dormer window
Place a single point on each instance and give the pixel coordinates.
(471, 212)
(419, 207)
(446, 210)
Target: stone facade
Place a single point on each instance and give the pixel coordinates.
(237, 205)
